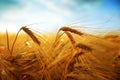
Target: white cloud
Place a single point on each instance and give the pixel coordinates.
(48, 15)
(51, 5)
(15, 19)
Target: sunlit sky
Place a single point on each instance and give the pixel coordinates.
(48, 15)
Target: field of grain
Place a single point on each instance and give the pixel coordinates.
(66, 55)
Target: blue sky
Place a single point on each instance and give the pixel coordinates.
(49, 15)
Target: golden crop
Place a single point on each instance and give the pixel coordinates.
(67, 55)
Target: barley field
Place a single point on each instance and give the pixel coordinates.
(67, 55)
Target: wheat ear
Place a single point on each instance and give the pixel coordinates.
(70, 30)
(29, 32)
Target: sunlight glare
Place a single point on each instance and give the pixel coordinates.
(10, 27)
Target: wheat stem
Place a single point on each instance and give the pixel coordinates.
(14, 42)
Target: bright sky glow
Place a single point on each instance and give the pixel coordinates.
(48, 15)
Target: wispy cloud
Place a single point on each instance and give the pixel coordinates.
(54, 7)
(54, 13)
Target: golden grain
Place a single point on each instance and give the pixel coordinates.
(68, 59)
